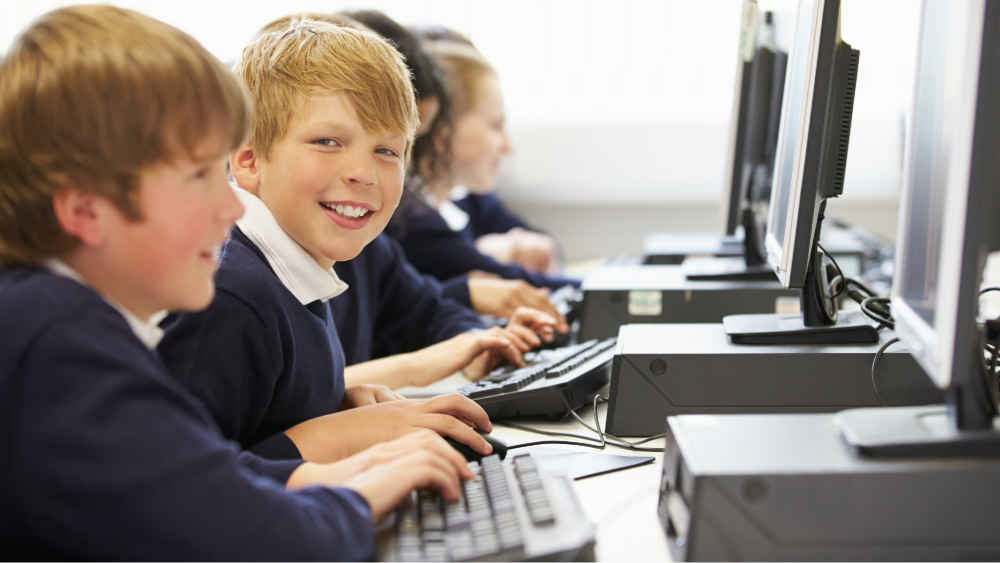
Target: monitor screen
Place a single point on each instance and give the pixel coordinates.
(920, 242)
(937, 194)
(791, 115)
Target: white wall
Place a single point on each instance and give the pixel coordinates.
(611, 103)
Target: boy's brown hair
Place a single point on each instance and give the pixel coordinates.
(283, 68)
(90, 96)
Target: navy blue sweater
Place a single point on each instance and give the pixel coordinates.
(433, 248)
(103, 456)
(391, 308)
(260, 360)
(488, 216)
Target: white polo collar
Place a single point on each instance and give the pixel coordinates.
(148, 332)
(453, 215)
(296, 269)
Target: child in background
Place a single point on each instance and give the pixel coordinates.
(486, 295)
(113, 205)
(439, 238)
(322, 172)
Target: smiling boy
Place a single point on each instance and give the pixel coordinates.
(113, 206)
(320, 177)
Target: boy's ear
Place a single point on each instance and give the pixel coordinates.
(80, 215)
(243, 165)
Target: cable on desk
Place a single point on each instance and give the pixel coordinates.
(622, 443)
(878, 356)
(615, 442)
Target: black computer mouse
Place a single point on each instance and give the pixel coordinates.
(499, 446)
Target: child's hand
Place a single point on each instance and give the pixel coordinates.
(457, 353)
(367, 394)
(386, 472)
(528, 322)
(535, 252)
(339, 435)
(500, 298)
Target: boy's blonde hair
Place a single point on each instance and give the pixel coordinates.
(283, 68)
(90, 96)
(335, 19)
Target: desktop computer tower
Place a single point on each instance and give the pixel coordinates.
(788, 488)
(670, 369)
(628, 294)
(851, 253)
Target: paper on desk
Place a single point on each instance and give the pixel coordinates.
(580, 465)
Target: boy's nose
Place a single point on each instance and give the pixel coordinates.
(360, 171)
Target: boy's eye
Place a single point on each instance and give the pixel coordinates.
(327, 142)
(384, 150)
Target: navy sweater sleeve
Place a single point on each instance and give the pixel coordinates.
(392, 308)
(433, 248)
(103, 457)
(457, 288)
(223, 356)
(413, 312)
(488, 216)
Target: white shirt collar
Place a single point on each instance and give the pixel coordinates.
(146, 331)
(296, 269)
(453, 216)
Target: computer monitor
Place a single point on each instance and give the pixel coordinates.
(811, 159)
(951, 196)
(760, 78)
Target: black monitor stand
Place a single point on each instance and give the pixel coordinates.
(966, 426)
(819, 323)
(754, 267)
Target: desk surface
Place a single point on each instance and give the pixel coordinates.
(622, 505)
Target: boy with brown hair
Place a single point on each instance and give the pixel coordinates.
(113, 206)
(320, 176)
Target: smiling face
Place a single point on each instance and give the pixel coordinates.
(479, 141)
(331, 185)
(167, 259)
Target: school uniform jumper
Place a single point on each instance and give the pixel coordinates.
(265, 355)
(103, 456)
(391, 308)
(434, 248)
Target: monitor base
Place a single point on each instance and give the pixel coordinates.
(725, 269)
(852, 328)
(914, 432)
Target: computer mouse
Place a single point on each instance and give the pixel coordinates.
(499, 446)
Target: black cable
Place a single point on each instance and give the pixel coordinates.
(877, 309)
(563, 442)
(988, 289)
(878, 356)
(840, 274)
(602, 443)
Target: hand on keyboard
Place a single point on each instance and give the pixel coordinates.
(339, 435)
(385, 473)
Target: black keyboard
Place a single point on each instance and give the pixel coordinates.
(509, 511)
(551, 380)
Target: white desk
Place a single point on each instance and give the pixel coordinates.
(622, 505)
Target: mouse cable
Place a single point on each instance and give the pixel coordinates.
(601, 443)
(616, 441)
(878, 356)
(599, 446)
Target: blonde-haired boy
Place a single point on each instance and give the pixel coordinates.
(113, 206)
(320, 175)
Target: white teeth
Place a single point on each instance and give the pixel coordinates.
(347, 210)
